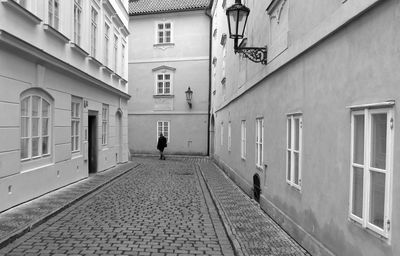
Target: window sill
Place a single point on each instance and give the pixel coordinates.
(164, 46)
(22, 11)
(292, 185)
(78, 49)
(107, 69)
(55, 33)
(94, 61)
(163, 96)
(384, 238)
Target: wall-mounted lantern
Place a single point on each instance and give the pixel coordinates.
(237, 20)
(189, 94)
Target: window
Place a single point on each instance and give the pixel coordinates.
(222, 134)
(106, 42)
(164, 32)
(93, 32)
(104, 125)
(163, 127)
(54, 13)
(229, 136)
(259, 141)
(35, 126)
(115, 53)
(77, 21)
(294, 150)
(371, 165)
(243, 139)
(123, 59)
(76, 113)
(164, 83)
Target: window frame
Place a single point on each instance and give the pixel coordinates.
(290, 149)
(163, 122)
(78, 14)
(94, 22)
(163, 30)
(222, 133)
(115, 49)
(229, 136)
(53, 13)
(367, 169)
(243, 135)
(163, 73)
(76, 119)
(106, 33)
(259, 139)
(105, 115)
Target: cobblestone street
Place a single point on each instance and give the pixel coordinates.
(160, 208)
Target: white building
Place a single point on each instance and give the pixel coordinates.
(63, 93)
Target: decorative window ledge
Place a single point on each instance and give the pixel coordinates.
(94, 61)
(54, 32)
(164, 46)
(163, 96)
(116, 76)
(107, 69)
(388, 103)
(22, 11)
(78, 49)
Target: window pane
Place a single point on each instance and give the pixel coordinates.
(160, 26)
(296, 168)
(167, 25)
(357, 200)
(296, 133)
(35, 126)
(24, 148)
(35, 147)
(45, 145)
(77, 110)
(167, 76)
(378, 140)
(76, 143)
(358, 154)
(289, 165)
(72, 109)
(35, 105)
(25, 107)
(45, 108)
(24, 126)
(289, 130)
(77, 128)
(45, 126)
(377, 199)
(168, 33)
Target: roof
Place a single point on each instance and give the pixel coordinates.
(142, 7)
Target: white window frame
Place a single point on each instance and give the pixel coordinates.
(123, 49)
(229, 136)
(105, 113)
(115, 49)
(94, 22)
(158, 30)
(259, 139)
(163, 125)
(76, 124)
(243, 139)
(29, 136)
(107, 29)
(291, 139)
(78, 22)
(368, 169)
(53, 13)
(164, 73)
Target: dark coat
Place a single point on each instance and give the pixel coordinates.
(162, 143)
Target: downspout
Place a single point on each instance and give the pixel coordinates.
(208, 13)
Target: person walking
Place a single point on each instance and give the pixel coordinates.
(161, 144)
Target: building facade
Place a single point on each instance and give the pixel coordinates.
(314, 128)
(168, 53)
(63, 93)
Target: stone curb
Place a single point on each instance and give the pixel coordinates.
(20, 232)
(225, 220)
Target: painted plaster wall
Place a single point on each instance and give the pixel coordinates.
(355, 65)
(189, 59)
(18, 184)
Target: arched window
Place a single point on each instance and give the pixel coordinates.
(36, 109)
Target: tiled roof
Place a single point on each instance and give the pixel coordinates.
(140, 7)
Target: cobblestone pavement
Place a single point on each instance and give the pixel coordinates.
(251, 230)
(158, 208)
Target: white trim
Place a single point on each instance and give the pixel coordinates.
(243, 142)
(163, 128)
(383, 104)
(290, 149)
(164, 72)
(259, 138)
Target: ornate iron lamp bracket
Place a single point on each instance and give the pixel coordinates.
(255, 54)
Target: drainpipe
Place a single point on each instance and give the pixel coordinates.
(208, 13)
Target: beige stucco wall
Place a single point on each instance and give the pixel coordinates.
(188, 58)
(355, 65)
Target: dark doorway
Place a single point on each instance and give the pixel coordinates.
(256, 187)
(92, 143)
